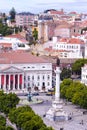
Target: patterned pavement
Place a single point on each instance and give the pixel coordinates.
(78, 121)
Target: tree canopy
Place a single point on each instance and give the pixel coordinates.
(25, 118)
(35, 34)
(76, 67)
(4, 29)
(75, 92)
(66, 73)
(10, 101)
(12, 14)
(2, 121)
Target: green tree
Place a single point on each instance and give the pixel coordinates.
(12, 14)
(76, 67)
(46, 128)
(80, 98)
(14, 113)
(2, 127)
(66, 73)
(39, 121)
(83, 99)
(35, 34)
(2, 98)
(24, 117)
(73, 88)
(29, 125)
(77, 98)
(2, 121)
(75, 92)
(4, 29)
(64, 86)
(10, 102)
(9, 128)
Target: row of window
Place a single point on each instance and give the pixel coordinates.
(63, 54)
(32, 67)
(68, 46)
(38, 77)
(38, 84)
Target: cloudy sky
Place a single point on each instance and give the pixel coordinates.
(36, 6)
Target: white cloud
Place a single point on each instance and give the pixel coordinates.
(40, 5)
(54, 1)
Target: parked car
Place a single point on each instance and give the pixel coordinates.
(35, 94)
(50, 92)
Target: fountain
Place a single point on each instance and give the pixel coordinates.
(29, 99)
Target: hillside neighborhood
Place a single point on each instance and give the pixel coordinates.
(32, 48)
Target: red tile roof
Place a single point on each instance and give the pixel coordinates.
(20, 58)
(72, 40)
(15, 36)
(20, 37)
(6, 45)
(83, 24)
(57, 12)
(73, 12)
(63, 40)
(75, 41)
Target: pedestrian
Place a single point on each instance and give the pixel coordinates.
(82, 122)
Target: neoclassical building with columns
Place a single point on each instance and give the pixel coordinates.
(22, 71)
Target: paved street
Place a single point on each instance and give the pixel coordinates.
(78, 121)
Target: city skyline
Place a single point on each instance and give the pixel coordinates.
(39, 6)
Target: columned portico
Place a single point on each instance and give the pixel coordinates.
(12, 82)
(9, 83)
(18, 82)
(5, 81)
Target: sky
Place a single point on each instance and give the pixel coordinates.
(38, 6)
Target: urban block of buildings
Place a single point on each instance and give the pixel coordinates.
(20, 71)
(61, 34)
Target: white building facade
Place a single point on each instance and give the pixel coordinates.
(16, 43)
(22, 71)
(69, 47)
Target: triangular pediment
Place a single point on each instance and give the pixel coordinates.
(11, 69)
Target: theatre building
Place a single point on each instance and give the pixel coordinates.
(21, 71)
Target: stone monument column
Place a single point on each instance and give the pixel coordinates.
(57, 89)
(56, 112)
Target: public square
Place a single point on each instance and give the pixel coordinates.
(77, 122)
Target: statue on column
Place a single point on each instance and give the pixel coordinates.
(58, 62)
